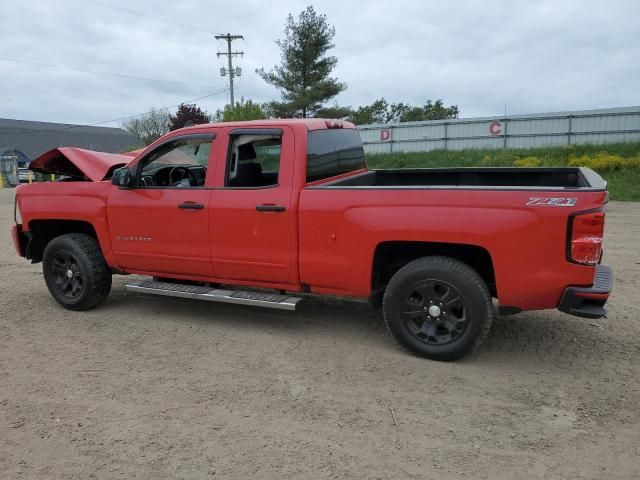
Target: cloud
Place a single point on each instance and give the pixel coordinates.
(482, 56)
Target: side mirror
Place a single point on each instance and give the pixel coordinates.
(122, 178)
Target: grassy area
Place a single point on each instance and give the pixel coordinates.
(619, 164)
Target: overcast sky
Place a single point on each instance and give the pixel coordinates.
(530, 56)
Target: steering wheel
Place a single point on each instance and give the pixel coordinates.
(186, 173)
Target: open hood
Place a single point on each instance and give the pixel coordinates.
(79, 163)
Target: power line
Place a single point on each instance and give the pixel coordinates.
(232, 73)
(161, 108)
(250, 48)
(150, 17)
(120, 119)
(96, 72)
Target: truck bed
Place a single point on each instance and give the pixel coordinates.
(498, 178)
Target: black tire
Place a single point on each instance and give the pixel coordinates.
(75, 271)
(461, 300)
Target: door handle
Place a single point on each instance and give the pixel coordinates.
(270, 207)
(191, 206)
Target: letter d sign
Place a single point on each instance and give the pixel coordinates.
(385, 135)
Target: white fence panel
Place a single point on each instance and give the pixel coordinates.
(521, 131)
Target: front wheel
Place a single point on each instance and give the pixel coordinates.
(75, 271)
(438, 308)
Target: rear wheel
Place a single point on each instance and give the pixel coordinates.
(75, 271)
(438, 308)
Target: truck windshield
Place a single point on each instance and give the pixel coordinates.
(333, 152)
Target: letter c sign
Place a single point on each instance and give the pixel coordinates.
(495, 128)
(385, 135)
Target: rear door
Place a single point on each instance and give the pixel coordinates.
(251, 211)
(162, 224)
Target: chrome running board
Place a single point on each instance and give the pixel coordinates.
(242, 297)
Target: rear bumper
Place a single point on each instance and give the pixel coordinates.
(588, 302)
(20, 240)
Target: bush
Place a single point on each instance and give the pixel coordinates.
(527, 162)
(605, 162)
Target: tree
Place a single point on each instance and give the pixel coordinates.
(335, 111)
(381, 111)
(243, 110)
(429, 111)
(303, 77)
(377, 112)
(188, 114)
(148, 127)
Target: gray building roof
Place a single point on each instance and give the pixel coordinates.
(35, 138)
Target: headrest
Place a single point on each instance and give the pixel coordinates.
(246, 152)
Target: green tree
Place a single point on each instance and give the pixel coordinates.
(303, 77)
(187, 114)
(243, 110)
(382, 111)
(429, 111)
(377, 112)
(335, 111)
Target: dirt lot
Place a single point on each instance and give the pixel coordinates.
(154, 387)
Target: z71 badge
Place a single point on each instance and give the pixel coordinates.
(552, 201)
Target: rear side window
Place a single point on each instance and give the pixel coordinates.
(333, 152)
(254, 161)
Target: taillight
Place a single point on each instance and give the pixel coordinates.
(585, 237)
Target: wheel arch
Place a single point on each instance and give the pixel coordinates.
(41, 232)
(391, 256)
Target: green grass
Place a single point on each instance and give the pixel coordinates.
(623, 184)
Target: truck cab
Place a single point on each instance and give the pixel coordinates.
(218, 202)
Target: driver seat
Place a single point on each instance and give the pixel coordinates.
(248, 173)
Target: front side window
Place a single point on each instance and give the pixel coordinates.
(254, 161)
(179, 164)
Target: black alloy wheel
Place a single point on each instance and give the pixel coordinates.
(438, 308)
(75, 271)
(435, 312)
(68, 279)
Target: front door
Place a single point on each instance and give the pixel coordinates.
(251, 212)
(161, 225)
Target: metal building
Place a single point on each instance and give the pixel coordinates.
(35, 138)
(519, 131)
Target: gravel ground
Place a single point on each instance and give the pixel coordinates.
(156, 387)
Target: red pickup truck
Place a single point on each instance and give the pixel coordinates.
(261, 212)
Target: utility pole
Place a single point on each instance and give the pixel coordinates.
(232, 73)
